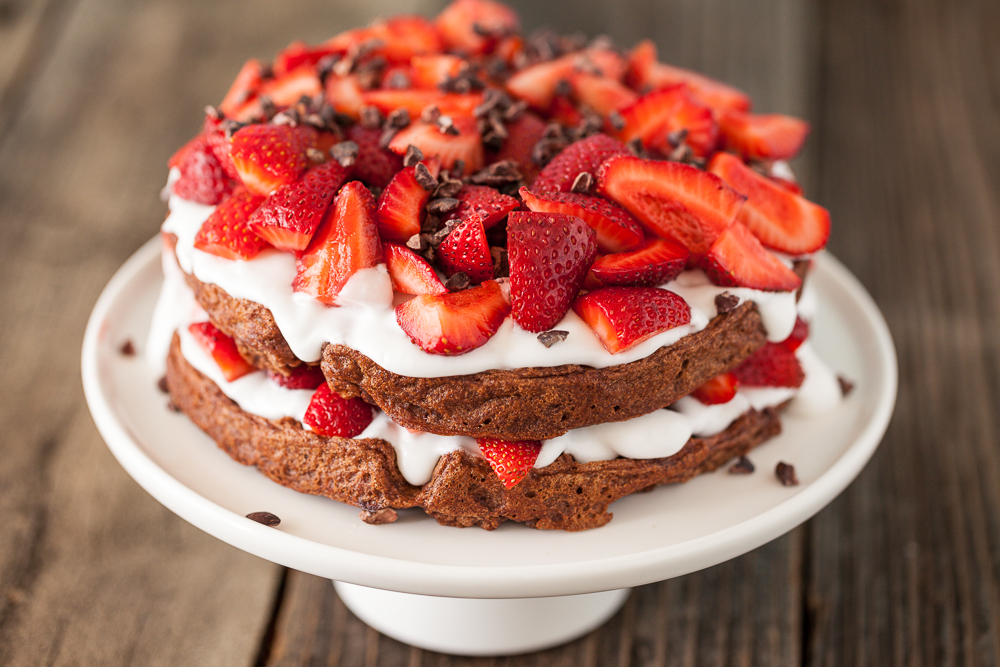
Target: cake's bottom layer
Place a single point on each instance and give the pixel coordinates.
(463, 490)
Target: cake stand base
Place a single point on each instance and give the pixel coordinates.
(462, 626)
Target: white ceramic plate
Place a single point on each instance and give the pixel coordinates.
(665, 533)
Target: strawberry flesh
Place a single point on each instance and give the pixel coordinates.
(375, 166)
(466, 250)
(300, 377)
(800, 332)
(332, 415)
(511, 460)
(623, 317)
(763, 137)
(585, 155)
(646, 72)
(482, 201)
(522, 134)
(772, 365)
(655, 117)
(454, 323)
(615, 229)
(718, 390)
(203, 179)
(400, 209)
(660, 261)
(270, 156)
(222, 349)
(410, 273)
(466, 145)
(227, 232)
(737, 259)
(474, 27)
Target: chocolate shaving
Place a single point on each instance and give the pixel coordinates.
(266, 518)
(379, 517)
(267, 106)
(457, 282)
(726, 302)
(743, 466)
(678, 137)
(213, 112)
(582, 183)
(416, 242)
(498, 173)
(786, 474)
(501, 263)
(846, 386)
(289, 116)
(127, 349)
(457, 167)
(387, 135)
(230, 127)
(443, 205)
(550, 338)
(430, 114)
(370, 117)
(636, 148)
(172, 406)
(398, 81)
(315, 155)
(563, 88)
(424, 177)
(346, 153)
(398, 118)
(161, 384)
(447, 125)
(449, 187)
(413, 156)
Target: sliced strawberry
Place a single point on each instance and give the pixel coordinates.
(772, 365)
(564, 111)
(657, 115)
(223, 350)
(791, 186)
(671, 199)
(290, 216)
(300, 377)
(344, 94)
(536, 84)
(720, 389)
(456, 322)
(227, 233)
(375, 166)
(800, 332)
(244, 87)
(388, 100)
(431, 70)
(402, 37)
(623, 317)
(202, 179)
(549, 256)
(522, 134)
(283, 92)
(779, 219)
(400, 209)
(332, 415)
(466, 145)
(410, 273)
(660, 261)
(511, 460)
(585, 155)
(466, 249)
(298, 54)
(474, 27)
(601, 93)
(483, 201)
(737, 259)
(269, 156)
(615, 229)
(763, 136)
(647, 73)
(219, 145)
(344, 244)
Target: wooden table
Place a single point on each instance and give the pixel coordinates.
(903, 569)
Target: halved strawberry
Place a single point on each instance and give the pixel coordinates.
(401, 37)
(474, 27)
(511, 460)
(660, 261)
(763, 136)
(345, 243)
(466, 145)
(344, 94)
(299, 54)
(300, 377)
(720, 389)
(549, 256)
(671, 199)
(483, 201)
(400, 209)
(414, 101)
(290, 216)
(456, 322)
(269, 156)
(332, 415)
(772, 365)
(585, 155)
(218, 143)
(779, 219)
(601, 93)
(223, 350)
(646, 72)
(623, 317)
(655, 116)
(244, 87)
(615, 229)
(466, 249)
(431, 70)
(227, 233)
(375, 166)
(737, 259)
(536, 84)
(202, 179)
(522, 134)
(410, 273)
(800, 332)
(282, 92)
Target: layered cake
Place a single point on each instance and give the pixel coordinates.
(436, 264)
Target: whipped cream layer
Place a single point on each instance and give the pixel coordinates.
(366, 321)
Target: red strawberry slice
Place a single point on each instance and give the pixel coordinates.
(549, 256)
(467, 145)
(623, 317)
(484, 201)
(375, 166)
(202, 179)
(791, 186)
(773, 365)
(456, 322)
(763, 136)
(283, 92)
(223, 350)
(410, 273)
(344, 94)
(474, 27)
(654, 117)
(800, 332)
(227, 233)
(646, 72)
(778, 218)
(290, 217)
(403, 37)
(332, 415)
(511, 460)
(344, 244)
(269, 156)
(671, 199)
(616, 230)
(431, 70)
(466, 249)
(660, 261)
(720, 389)
(401, 205)
(737, 259)
(299, 54)
(522, 134)
(244, 87)
(300, 377)
(601, 93)
(585, 155)
(536, 84)
(219, 145)
(414, 101)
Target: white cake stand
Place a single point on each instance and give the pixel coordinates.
(513, 590)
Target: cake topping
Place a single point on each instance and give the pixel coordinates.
(786, 474)
(510, 460)
(266, 518)
(223, 350)
(623, 317)
(743, 466)
(551, 337)
(331, 414)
